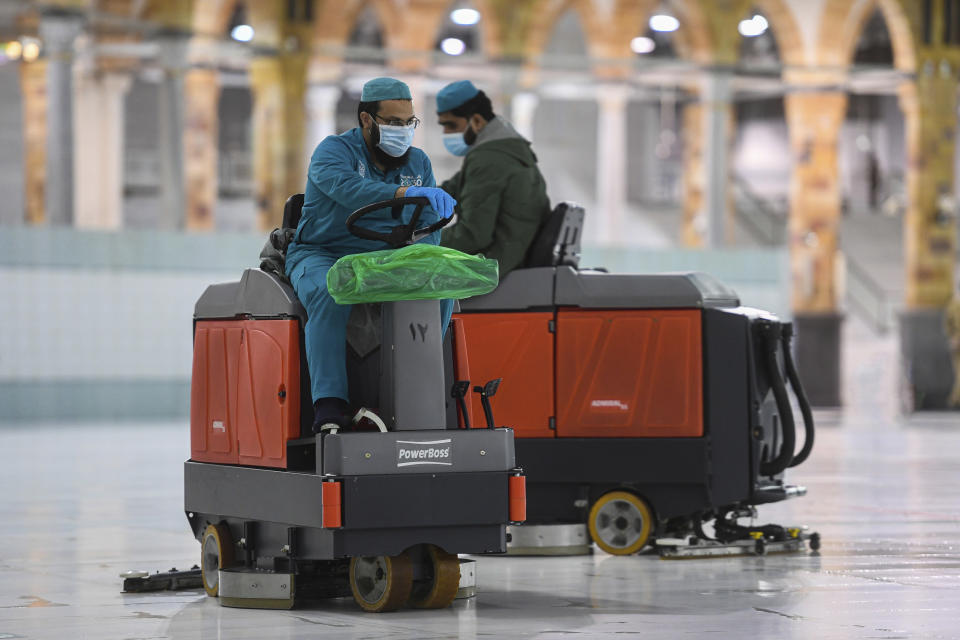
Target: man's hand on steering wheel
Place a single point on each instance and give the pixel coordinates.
(441, 201)
(401, 234)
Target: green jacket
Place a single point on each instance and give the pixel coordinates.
(502, 198)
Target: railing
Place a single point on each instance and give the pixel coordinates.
(758, 215)
(868, 298)
(141, 169)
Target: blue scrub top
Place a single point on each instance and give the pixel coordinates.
(341, 179)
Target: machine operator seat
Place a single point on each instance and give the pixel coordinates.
(292, 210)
(558, 241)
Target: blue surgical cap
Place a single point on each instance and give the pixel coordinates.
(385, 89)
(455, 94)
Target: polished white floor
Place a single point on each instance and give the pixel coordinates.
(81, 503)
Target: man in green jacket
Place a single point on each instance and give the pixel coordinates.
(501, 193)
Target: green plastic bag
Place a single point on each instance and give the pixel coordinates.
(414, 272)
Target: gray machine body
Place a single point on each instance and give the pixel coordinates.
(411, 371)
(257, 294)
(416, 483)
(564, 286)
(406, 452)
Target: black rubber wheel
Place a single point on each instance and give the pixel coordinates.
(760, 547)
(815, 542)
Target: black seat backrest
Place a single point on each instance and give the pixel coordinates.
(558, 241)
(292, 210)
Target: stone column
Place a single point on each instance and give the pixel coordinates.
(98, 169)
(321, 114)
(611, 162)
(267, 148)
(930, 231)
(694, 232)
(523, 109)
(172, 60)
(201, 141)
(294, 67)
(278, 84)
(814, 118)
(33, 88)
(717, 132)
(58, 32)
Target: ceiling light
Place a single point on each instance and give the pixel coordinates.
(31, 50)
(753, 27)
(13, 50)
(453, 46)
(242, 33)
(642, 44)
(664, 22)
(465, 17)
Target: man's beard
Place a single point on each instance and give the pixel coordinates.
(382, 157)
(469, 136)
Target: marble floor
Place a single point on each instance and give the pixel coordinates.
(80, 503)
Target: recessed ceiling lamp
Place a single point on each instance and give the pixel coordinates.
(643, 44)
(466, 17)
(242, 33)
(664, 22)
(13, 50)
(453, 46)
(31, 49)
(753, 27)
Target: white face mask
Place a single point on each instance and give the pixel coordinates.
(455, 143)
(395, 140)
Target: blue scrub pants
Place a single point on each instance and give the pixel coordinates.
(326, 329)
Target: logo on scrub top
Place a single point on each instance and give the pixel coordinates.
(362, 169)
(410, 181)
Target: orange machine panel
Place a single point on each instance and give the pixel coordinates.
(517, 347)
(245, 391)
(629, 373)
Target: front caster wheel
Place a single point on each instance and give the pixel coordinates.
(620, 523)
(441, 580)
(381, 583)
(216, 552)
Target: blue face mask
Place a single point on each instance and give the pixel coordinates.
(395, 140)
(455, 143)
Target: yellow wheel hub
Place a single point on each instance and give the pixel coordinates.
(216, 552)
(620, 523)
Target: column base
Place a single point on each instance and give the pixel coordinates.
(926, 369)
(817, 354)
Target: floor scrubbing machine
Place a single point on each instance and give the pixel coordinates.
(645, 406)
(282, 514)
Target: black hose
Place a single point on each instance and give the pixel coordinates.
(808, 427)
(771, 344)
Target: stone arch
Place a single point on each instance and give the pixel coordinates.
(492, 33)
(211, 18)
(843, 21)
(334, 21)
(785, 30)
(694, 40)
(547, 14)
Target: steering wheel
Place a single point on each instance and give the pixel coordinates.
(402, 234)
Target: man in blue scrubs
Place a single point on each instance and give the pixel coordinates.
(369, 163)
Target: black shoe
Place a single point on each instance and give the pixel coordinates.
(330, 414)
